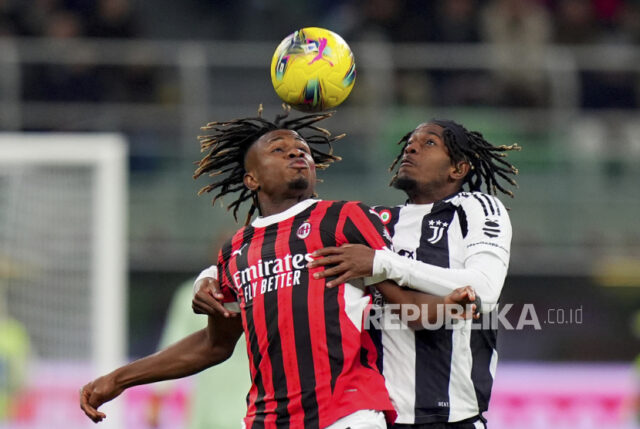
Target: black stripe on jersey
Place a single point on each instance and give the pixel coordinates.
(462, 219)
(331, 303)
(355, 236)
(490, 203)
(432, 379)
(226, 255)
(435, 253)
(496, 203)
(302, 333)
(278, 375)
(483, 342)
(243, 261)
(484, 207)
(434, 346)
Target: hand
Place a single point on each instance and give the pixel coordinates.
(208, 298)
(465, 298)
(351, 261)
(96, 393)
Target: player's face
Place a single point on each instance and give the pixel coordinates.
(425, 165)
(280, 162)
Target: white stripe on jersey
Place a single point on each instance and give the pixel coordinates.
(462, 395)
(400, 366)
(399, 345)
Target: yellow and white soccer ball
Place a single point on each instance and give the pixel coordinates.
(313, 69)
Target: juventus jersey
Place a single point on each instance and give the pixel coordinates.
(311, 362)
(443, 375)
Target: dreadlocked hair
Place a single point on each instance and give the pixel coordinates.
(228, 143)
(486, 161)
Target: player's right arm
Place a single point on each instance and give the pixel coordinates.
(200, 350)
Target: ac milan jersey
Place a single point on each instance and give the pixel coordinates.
(311, 362)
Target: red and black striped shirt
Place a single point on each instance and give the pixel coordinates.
(311, 362)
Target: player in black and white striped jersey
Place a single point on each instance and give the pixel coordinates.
(444, 238)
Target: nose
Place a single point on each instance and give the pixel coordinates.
(410, 148)
(295, 153)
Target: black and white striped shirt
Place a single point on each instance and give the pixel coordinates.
(444, 375)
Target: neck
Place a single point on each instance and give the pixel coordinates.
(270, 205)
(430, 196)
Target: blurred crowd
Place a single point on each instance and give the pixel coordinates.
(521, 28)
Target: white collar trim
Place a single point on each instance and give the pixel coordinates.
(261, 222)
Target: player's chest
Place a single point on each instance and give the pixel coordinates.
(431, 237)
(272, 261)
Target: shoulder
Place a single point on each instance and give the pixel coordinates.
(227, 247)
(349, 207)
(479, 204)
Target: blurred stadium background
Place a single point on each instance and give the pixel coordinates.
(561, 78)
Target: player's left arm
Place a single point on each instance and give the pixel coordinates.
(486, 258)
(487, 245)
(363, 232)
(461, 303)
(202, 349)
(363, 229)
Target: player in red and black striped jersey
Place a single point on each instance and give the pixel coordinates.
(312, 364)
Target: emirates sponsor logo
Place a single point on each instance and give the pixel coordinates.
(270, 275)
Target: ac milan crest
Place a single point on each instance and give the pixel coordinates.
(304, 230)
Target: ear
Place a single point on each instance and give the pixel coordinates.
(251, 182)
(460, 170)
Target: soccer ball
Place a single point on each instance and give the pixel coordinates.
(313, 69)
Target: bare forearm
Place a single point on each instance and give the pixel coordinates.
(186, 357)
(425, 304)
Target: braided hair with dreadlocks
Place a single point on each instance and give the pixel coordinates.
(486, 161)
(229, 141)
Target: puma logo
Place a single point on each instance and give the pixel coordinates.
(239, 251)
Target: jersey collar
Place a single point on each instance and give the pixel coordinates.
(444, 200)
(261, 222)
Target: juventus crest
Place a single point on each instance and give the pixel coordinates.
(438, 227)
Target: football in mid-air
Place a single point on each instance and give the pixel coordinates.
(313, 69)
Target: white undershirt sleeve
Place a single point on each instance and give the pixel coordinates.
(212, 272)
(485, 272)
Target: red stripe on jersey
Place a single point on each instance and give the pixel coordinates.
(317, 326)
(365, 226)
(228, 282)
(260, 327)
(287, 333)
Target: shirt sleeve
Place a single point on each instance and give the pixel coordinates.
(484, 272)
(231, 300)
(486, 239)
(363, 226)
(488, 227)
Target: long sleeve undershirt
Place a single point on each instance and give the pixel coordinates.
(485, 272)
